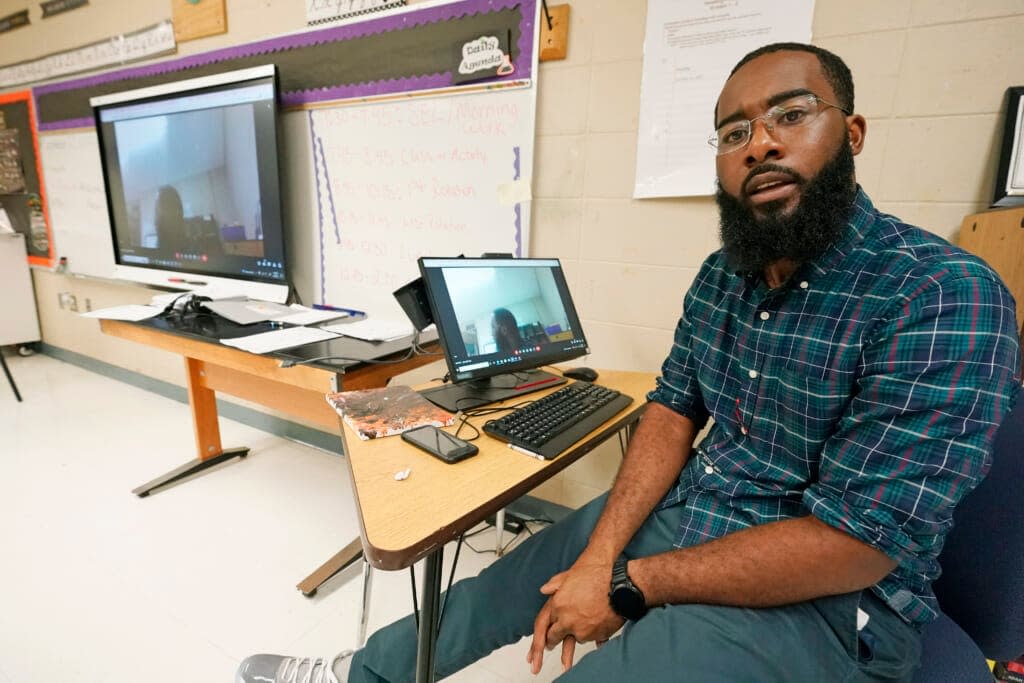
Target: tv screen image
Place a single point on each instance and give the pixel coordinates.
(499, 320)
(191, 173)
(506, 311)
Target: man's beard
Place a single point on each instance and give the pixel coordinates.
(751, 243)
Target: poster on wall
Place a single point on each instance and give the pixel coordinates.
(689, 48)
(22, 198)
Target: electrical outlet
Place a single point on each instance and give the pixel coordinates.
(68, 301)
(88, 305)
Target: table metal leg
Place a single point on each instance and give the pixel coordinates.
(188, 469)
(364, 614)
(342, 560)
(499, 532)
(427, 642)
(9, 377)
(203, 402)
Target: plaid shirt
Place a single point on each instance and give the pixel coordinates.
(865, 391)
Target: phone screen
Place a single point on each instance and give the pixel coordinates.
(440, 443)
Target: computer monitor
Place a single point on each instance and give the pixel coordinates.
(193, 189)
(499, 320)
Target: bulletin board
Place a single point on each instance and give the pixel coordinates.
(22, 195)
(469, 142)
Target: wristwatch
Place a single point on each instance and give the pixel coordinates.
(626, 599)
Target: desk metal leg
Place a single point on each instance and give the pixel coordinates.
(340, 561)
(427, 642)
(187, 470)
(9, 378)
(364, 615)
(499, 531)
(203, 402)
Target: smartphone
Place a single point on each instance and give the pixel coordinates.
(440, 443)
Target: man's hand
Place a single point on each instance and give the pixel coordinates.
(577, 611)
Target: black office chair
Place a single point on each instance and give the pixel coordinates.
(981, 590)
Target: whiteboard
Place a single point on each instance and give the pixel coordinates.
(427, 176)
(77, 201)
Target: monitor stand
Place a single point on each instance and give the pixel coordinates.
(480, 392)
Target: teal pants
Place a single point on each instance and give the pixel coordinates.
(810, 641)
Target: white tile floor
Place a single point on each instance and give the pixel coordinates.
(97, 585)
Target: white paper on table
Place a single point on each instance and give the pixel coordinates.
(275, 340)
(689, 49)
(373, 329)
(127, 312)
(308, 316)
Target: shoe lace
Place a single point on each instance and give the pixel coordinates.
(314, 670)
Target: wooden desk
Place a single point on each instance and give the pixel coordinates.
(404, 521)
(211, 367)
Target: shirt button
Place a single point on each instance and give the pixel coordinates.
(752, 374)
(765, 315)
(804, 284)
(708, 469)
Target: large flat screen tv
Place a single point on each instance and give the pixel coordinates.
(500, 320)
(193, 189)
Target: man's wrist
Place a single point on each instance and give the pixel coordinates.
(625, 597)
(601, 555)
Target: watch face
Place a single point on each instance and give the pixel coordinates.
(628, 603)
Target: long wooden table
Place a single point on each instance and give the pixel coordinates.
(402, 521)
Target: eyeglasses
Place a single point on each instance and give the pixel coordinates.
(789, 117)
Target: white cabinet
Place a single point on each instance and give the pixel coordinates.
(19, 323)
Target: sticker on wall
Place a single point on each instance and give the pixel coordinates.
(13, 21)
(482, 57)
(53, 7)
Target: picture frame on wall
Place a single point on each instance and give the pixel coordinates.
(1009, 185)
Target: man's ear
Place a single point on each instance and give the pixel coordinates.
(857, 127)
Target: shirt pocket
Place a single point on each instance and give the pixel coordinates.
(807, 410)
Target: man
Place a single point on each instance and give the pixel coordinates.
(856, 369)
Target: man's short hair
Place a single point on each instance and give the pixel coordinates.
(836, 72)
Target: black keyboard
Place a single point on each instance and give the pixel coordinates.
(550, 425)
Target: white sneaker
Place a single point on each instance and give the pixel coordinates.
(282, 669)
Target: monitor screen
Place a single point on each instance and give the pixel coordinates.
(191, 174)
(498, 316)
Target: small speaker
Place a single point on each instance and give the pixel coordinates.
(412, 297)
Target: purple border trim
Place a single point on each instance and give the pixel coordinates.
(342, 92)
(68, 123)
(523, 63)
(319, 207)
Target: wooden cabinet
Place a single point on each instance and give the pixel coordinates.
(998, 237)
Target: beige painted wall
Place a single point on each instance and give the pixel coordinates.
(930, 78)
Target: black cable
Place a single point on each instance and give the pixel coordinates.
(451, 576)
(415, 349)
(415, 603)
(292, 363)
(517, 536)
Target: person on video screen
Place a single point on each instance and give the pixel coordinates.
(169, 217)
(506, 331)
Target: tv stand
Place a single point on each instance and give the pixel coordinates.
(475, 393)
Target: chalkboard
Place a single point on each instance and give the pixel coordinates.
(394, 181)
